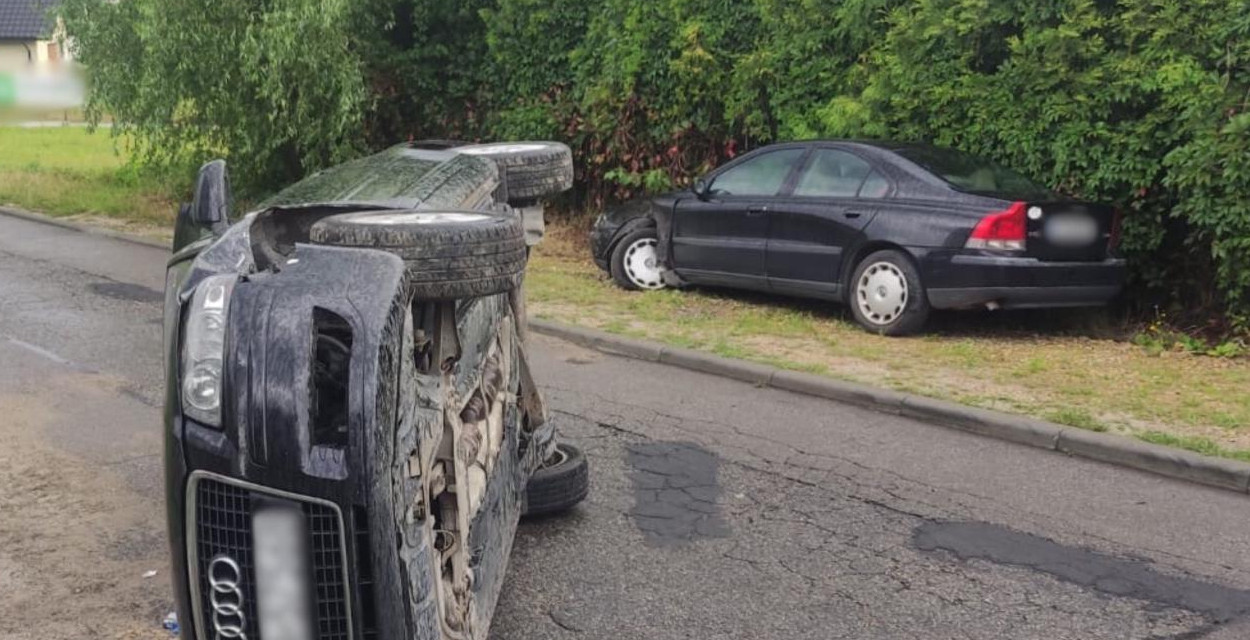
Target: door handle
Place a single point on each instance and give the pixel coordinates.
(854, 215)
(756, 211)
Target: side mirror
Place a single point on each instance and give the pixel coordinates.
(700, 189)
(209, 210)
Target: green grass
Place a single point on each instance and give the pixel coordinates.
(66, 171)
(1204, 446)
(1078, 418)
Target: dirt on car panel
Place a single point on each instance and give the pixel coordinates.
(676, 493)
(1101, 572)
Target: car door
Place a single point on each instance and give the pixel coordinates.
(817, 221)
(721, 237)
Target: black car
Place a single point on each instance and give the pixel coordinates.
(892, 230)
(351, 427)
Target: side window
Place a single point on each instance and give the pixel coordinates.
(760, 176)
(833, 174)
(875, 186)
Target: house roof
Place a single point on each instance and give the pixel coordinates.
(25, 19)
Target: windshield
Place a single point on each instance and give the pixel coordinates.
(975, 175)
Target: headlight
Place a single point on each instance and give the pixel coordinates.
(204, 350)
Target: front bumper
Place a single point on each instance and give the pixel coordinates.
(601, 237)
(958, 281)
(269, 448)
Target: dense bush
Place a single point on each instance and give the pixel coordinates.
(1142, 103)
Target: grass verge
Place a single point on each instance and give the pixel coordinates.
(69, 172)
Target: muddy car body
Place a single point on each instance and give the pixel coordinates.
(352, 431)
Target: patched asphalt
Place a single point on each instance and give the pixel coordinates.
(718, 509)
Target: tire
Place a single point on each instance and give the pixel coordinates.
(626, 272)
(437, 145)
(532, 170)
(450, 255)
(887, 296)
(560, 486)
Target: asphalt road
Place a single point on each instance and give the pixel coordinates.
(718, 510)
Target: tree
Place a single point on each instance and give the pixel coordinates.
(274, 86)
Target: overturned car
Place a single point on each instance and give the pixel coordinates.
(352, 427)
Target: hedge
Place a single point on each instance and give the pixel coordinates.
(1141, 103)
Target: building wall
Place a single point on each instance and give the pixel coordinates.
(15, 56)
(30, 55)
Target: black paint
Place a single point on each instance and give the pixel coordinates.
(676, 493)
(1128, 578)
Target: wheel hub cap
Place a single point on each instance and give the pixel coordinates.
(882, 293)
(642, 265)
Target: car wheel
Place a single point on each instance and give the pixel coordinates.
(450, 255)
(560, 484)
(887, 296)
(532, 170)
(636, 262)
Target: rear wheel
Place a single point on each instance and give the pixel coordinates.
(450, 255)
(532, 170)
(887, 296)
(635, 263)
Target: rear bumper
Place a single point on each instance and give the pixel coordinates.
(963, 281)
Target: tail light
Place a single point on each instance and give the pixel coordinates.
(1117, 225)
(1001, 230)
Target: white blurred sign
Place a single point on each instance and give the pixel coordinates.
(59, 89)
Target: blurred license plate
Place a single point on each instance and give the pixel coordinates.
(282, 594)
(1071, 230)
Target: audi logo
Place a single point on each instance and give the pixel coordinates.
(226, 597)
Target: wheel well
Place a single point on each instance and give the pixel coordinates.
(869, 248)
(637, 224)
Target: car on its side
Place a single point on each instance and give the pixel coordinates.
(890, 229)
(351, 427)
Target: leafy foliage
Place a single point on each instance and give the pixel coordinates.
(1141, 103)
(272, 85)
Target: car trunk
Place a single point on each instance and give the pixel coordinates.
(1070, 231)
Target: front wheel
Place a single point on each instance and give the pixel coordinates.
(887, 296)
(559, 484)
(635, 262)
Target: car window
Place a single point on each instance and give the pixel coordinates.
(975, 175)
(875, 186)
(760, 176)
(832, 174)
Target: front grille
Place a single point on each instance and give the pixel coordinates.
(223, 528)
(326, 548)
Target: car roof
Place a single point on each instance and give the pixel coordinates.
(883, 145)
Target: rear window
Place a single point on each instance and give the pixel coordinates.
(976, 175)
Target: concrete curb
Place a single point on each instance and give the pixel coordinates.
(82, 228)
(1126, 452)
